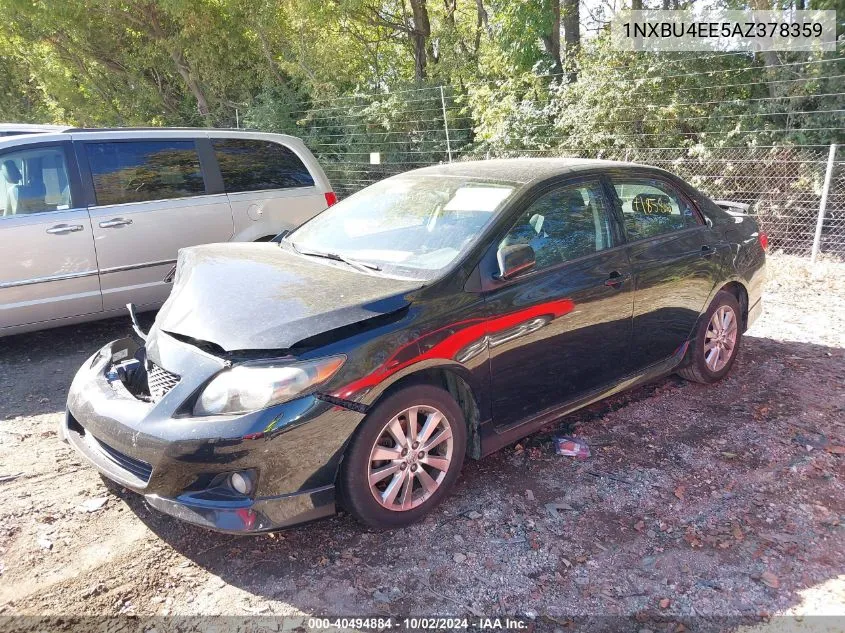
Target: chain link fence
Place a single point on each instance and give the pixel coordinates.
(782, 185)
(365, 139)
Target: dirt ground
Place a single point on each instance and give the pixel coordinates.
(698, 502)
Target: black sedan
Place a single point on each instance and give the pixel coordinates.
(437, 315)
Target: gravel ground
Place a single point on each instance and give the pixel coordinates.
(698, 503)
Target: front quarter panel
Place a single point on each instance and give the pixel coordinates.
(447, 332)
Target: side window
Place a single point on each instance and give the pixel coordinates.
(34, 181)
(136, 171)
(253, 165)
(651, 207)
(564, 224)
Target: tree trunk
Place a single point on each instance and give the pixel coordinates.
(572, 35)
(268, 55)
(148, 19)
(482, 23)
(770, 58)
(193, 85)
(551, 40)
(419, 37)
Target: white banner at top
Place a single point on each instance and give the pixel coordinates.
(724, 30)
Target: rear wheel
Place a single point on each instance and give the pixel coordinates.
(405, 457)
(716, 343)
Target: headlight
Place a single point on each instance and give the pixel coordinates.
(255, 386)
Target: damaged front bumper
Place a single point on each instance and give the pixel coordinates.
(181, 464)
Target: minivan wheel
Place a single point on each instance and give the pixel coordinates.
(404, 458)
(717, 340)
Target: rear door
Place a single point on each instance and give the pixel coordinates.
(272, 185)
(149, 197)
(674, 261)
(564, 328)
(48, 268)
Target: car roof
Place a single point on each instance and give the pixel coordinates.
(520, 170)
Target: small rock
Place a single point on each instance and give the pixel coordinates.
(459, 558)
(380, 596)
(529, 494)
(92, 505)
(93, 590)
(474, 515)
(664, 604)
(43, 543)
(770, 580)
(555, 508)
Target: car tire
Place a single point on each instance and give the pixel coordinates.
(379, 436)
(714, 336)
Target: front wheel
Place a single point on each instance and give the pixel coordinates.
(716, 343)
(405, 457)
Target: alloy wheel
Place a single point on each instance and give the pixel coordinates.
(720, 339)
(410, 458)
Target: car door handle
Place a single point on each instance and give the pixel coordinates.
(109, 224)
(61, 229)
(707, 250)
(616, 279)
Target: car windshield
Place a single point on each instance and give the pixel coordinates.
(412, 226)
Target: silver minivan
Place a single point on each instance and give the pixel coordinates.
(91, 220)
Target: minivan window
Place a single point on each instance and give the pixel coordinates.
(254, 165)
(34, 181)
(136, 171)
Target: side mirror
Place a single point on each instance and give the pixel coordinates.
(515, 259)
(280, 237)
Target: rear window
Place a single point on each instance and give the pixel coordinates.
(144, 170)
(254, 165)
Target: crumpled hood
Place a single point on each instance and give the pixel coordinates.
(260, 296)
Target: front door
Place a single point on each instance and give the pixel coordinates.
(674, 261)
(563, 328)
(151, 201)
(49, 268)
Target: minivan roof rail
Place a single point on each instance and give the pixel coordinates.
(158, 129)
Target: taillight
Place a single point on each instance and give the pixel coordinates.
(764, 240)
(331, 198)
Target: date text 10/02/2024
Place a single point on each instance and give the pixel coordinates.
(419, 623)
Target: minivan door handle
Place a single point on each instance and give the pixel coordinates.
(108, 224)
(616, 279)
(61, 229)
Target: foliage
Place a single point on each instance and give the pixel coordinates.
(360, 76)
